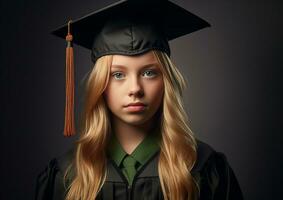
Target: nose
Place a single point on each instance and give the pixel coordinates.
(135, 87)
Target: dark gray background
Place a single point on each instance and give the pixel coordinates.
(233, 98)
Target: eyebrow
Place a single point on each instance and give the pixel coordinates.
(144, 66)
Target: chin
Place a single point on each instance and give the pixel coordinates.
(134, 120)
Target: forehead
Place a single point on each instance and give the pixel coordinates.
(136, 60)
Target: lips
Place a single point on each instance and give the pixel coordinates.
(135, 107)
(136, 104)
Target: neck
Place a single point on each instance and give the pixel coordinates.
(129, 135)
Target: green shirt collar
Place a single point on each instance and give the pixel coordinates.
(144, 151)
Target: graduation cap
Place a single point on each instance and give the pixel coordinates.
(127, 27)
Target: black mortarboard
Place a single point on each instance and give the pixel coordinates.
(130, 27)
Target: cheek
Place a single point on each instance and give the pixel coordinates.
(110, 94)
(155, 92)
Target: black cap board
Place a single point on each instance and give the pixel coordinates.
(131, 27)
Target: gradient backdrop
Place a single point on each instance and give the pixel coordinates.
(233, 98)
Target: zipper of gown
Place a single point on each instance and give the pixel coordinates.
(129, 191)
(130, 187)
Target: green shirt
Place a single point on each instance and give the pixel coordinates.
(142, 153)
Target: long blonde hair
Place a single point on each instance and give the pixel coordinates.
(177, 148)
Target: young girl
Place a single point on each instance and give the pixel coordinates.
(135, 141)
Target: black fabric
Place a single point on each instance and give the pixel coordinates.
(212, 172)
(126, 36)
(131, 27)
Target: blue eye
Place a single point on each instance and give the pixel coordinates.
(150, 73)
(117, 75)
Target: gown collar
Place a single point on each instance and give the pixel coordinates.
(150, 168)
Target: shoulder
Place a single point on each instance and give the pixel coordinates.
(214, 174)
(50, 182)
(209, 161)
(205, 153)
(65, 159)
(63, 162)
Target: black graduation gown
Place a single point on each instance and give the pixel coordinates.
(212, 172)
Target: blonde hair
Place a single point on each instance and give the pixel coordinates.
(177, 147)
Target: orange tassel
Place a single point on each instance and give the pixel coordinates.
(69, 128)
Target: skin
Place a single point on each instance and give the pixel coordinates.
(133, 79)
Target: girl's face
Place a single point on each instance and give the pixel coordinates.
(134, 79)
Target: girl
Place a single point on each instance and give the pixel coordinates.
(135, 141)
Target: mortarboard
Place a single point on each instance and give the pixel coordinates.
(127, 27)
